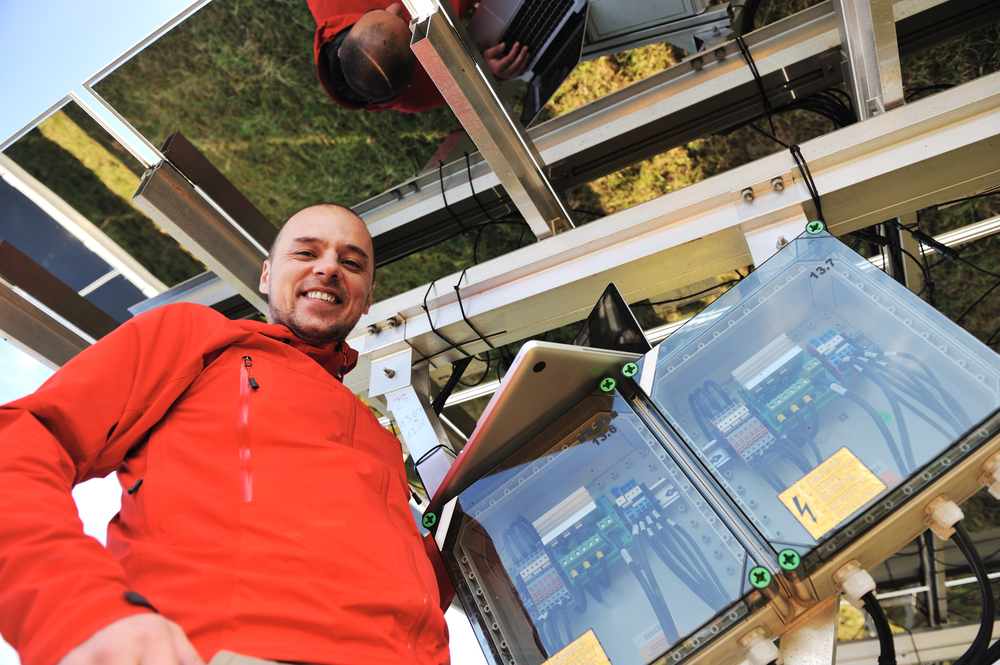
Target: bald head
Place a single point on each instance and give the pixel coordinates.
(320, 272)
(375, 57)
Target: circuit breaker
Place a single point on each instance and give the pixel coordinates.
(804, 405)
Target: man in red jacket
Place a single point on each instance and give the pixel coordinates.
(364, 61)
(264, 510)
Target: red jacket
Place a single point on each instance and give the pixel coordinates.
(332, 16)
(271, 522)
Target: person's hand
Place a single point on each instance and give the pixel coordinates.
(141, 639)
(508, 66)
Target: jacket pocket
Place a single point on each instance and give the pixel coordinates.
(247, 386)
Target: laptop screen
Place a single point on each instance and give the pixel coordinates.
(611, 325)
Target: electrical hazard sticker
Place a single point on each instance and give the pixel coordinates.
(584, 650)
(831, 492)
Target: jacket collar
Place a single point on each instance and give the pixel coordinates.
(337, 358)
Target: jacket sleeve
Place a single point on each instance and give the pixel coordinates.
(58, 586)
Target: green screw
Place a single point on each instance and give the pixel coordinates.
(789, 559)
(760, 578)
(608, 384)
(815, 227)
(429, 520)
(630, 369)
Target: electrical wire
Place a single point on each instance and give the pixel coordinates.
(887, 647)
(978, 649)
(904, 435)
(748, 58)
(800, 161)
(693, 295)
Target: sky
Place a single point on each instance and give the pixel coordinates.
(57, 45)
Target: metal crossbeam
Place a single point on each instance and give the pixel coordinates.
(940, 148)
(706, 93)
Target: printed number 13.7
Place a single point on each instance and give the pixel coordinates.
(821, 270)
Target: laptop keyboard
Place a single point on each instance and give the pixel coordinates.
(534, 23)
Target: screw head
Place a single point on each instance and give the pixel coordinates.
(630, 369)
(608, 384)
(760, 577)
(778, 184)
(388, 372)
(747, 195)
(697, 63)
(789, 559)
(392, 323)
(720, 53)
(429, 520)
(372, 329)
(815, 227)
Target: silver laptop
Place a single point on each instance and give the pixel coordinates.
(533, 22)
(544, 381)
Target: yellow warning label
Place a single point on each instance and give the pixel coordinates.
(828, 494)
(584, 650)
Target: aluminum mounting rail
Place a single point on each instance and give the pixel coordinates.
(708, 92)
(937, 149)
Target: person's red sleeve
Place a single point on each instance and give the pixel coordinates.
(58, 586)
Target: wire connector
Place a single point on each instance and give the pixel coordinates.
(942, 516)
(854, 582)
(760, 649)
(991, 475)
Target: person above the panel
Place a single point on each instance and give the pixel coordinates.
(364, 60)
(264, 509)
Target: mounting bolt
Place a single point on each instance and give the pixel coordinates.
(720, 53)
(373, 329)
(778, 184)
(392, 323)
(697, 63)
(781, 242)
(789, 559)
(760, 577)
(747, 195)
(388, 372)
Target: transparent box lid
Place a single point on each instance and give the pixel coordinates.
(818, 385)
(592, 531)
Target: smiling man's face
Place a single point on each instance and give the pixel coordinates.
(319, 277)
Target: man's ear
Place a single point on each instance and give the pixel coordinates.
(368, 302)
(263, 278)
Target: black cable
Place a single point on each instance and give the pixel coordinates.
(445, 198)
(662, 612)
(595, 213)
(461, 309)
(867, 408)
(457, 369)
(904, 434)
(978, 300)
(952, 403)
(693, 295)
(918, 391)
(748, 58)
(978, 649)
(812, 444)
(982, 270)
(431, 323)
(712, 385)
(916, 91)
(800, 161)
(887, 648)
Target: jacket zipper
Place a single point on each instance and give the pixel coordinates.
(425, 610)
(247, 385)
